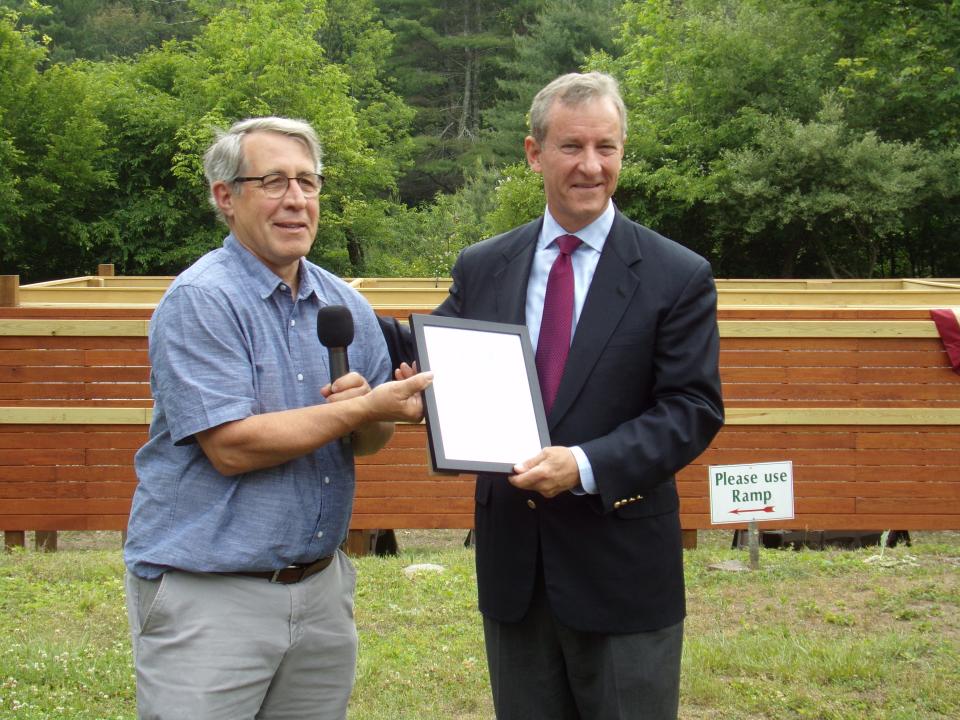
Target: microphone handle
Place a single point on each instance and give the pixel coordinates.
(339, 363)
(339, 366)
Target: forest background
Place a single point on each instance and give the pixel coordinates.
(778, 138)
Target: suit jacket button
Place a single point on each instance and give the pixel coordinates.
(531, 504)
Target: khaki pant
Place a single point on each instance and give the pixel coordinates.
(238, 648)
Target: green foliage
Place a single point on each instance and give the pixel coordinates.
(819, 188)
(776, 137)
(425, 242)
(520, 198)
(789, 137)
(115, 148)
(557, 41)
(445, 64)
(105, 29)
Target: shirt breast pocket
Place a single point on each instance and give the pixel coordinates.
(269, 386)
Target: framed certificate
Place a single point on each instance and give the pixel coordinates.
(484, 411)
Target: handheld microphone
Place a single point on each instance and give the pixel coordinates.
(335, 332)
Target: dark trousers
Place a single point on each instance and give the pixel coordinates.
(542, 670)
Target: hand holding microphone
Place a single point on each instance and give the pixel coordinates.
(399, 400)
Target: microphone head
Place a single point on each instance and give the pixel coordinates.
(335, 326)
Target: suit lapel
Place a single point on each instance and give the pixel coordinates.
(613, 286)
(511, 278)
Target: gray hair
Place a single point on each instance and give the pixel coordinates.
(575, 89)
(224, 159)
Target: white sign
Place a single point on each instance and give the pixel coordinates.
(741, 493)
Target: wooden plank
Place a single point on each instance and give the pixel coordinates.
(898, 505)
(109, 456)
(78, 521)
(827, 328)
(863, 416)
(40, 356)
(27, 473)
(948, 394)
(67, 490)
(409, 506)
(417, 488)
(843, 416)
(106, 473)
(815, 521)
(945, 490)
(31, 456)
(37, 440)
(728, 328)
(72, 342)
(87, 328)
(75, 415)
(749, 358)
(834, 456)
(57, 506)
(74, 374)
(432, 521)
(369, 473)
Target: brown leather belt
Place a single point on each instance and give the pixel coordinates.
(290, 574)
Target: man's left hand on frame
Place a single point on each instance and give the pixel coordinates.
(553, 471)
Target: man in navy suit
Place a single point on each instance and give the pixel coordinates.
(579, 553)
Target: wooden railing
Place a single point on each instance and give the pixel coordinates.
(863, 401)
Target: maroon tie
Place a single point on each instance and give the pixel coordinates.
(553, 346)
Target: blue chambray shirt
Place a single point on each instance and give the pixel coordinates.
(227, 341)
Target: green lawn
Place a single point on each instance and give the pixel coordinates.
(831, 635)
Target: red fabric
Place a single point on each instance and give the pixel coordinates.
(553, 345)
(948, 325)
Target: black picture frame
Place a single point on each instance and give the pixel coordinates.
(484, 411)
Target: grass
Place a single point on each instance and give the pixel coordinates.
(830, 635)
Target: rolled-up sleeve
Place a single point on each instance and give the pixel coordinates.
(200, 364)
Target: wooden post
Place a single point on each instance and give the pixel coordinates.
(689, 539)
(45, 540)
(9, 291)
(359, 542)
(753, 533)
(14, 538)
(105, 270)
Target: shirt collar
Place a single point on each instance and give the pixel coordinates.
(263, 279)
(593, 235)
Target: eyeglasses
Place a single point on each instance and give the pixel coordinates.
(275, 185)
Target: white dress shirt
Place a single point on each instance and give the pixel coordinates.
(584, 261)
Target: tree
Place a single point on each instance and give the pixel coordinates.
(817, 195)
(445, 65)
(104, 29)
(558, 40)
(714, 87)
(19, 58)
(115, 148)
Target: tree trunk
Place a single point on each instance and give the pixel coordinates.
(355, 252)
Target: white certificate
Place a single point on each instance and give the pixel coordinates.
(484, 410)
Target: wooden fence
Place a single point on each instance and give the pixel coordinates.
(861, 399)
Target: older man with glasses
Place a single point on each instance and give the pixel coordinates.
(239, 599)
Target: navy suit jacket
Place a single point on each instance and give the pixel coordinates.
(640, 394)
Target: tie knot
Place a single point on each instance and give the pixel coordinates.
(568, 243)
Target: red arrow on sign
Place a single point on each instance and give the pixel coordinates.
(767, 509)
